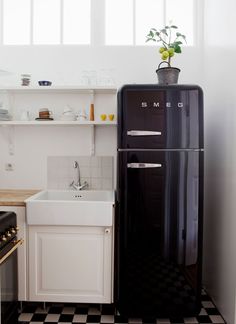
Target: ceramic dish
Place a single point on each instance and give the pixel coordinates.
(44, 118)
(44, 83)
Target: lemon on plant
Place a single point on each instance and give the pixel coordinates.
(161, 50)
(171, 51)
(165, 55)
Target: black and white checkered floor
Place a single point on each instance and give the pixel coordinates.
(80, 313)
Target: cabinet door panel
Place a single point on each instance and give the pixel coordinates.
(70, 264)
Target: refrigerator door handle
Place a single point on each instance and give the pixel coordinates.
(143, 165)
(143, 133)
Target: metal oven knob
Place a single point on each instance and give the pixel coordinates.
(8, 234)
(3, 238)
(13, 230)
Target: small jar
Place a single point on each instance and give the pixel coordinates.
(25, 79)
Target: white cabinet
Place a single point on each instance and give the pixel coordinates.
(71, 264)
(21, 251)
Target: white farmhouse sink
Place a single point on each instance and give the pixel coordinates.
(67, 207)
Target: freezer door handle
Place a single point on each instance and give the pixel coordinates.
(143, 133)
(143, 165)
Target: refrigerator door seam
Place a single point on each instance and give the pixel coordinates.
(159, 150)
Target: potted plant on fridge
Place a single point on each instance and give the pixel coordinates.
(171, 41)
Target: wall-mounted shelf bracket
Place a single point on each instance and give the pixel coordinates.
(92, 152)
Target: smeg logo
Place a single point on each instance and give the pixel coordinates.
(156, 104)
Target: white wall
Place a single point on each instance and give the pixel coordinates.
(32, 146)
(220, 155)
(63, 65)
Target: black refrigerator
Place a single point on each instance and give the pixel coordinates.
(159, 200)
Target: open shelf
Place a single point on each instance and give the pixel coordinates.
(69, 88)
(56, 123)
(23, 95)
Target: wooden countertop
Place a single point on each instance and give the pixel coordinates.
(15, 197)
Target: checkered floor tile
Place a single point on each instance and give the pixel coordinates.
(34, 313)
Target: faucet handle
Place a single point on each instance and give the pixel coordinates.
(85, 185)
(72, 183)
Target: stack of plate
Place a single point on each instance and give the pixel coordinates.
(4, 114)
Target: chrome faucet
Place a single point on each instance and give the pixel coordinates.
(77, 185)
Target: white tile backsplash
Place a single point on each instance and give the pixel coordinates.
(106, 161)
(85, 171)
(96, 161)
(96, 184)
(84, 161)
(107, 172)
(107, 184)
(96, 170)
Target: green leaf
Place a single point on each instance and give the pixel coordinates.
(182, 36)
(159, 36)
(150, 39)
(177, 49)
(163, 31)
(175, 44)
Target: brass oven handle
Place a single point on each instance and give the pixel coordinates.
(15, 246)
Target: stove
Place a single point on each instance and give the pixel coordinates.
(8, 267)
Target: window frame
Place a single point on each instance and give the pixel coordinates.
(198, 21)
(31, 43)
(97, 28)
